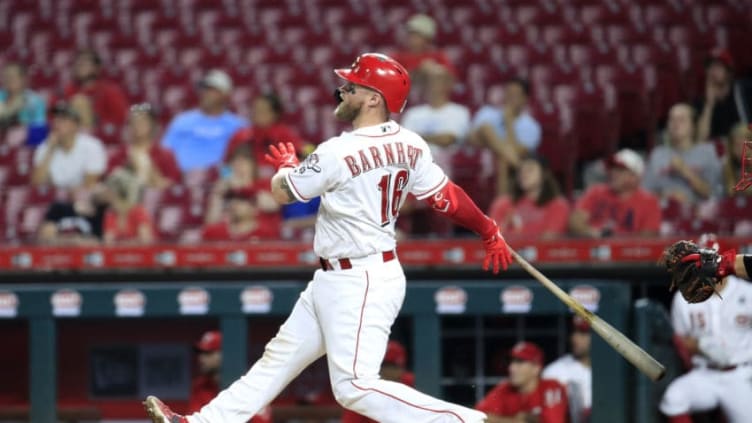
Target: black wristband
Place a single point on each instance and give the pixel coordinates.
(748, 264)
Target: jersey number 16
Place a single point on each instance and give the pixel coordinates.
(392, 187)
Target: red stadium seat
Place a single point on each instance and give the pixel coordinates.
(557, 145)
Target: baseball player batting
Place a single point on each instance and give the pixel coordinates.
(347, 310)
(716, 336)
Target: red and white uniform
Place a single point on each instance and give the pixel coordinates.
(346, 312)
(577, 378)
(721, 375)
(548, 402)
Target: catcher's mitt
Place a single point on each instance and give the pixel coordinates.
(694, 270)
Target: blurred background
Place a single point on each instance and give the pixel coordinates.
(137, 221)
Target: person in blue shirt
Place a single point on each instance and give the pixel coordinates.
(20, 106)
(198, 137)
(509, 131)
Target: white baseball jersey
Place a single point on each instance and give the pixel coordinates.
(576, 376)
(363, 178)
(722, 325)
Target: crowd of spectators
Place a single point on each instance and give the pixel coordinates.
(98, 159)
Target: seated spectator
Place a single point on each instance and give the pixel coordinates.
(732, 163)
(19, 105)
(68, 158)
(619, 207)
(392, 368)
(199, 137)
(126, 221)
(107, 98)
(536, 207)
(242, 222)
(419, 51)
(683, 169)
(724, 102)
(573, 371)
(154, 165)
(266, 111)
(509, 131)
(525, 397)
(241, 176)
(440, 122)
(76, 222)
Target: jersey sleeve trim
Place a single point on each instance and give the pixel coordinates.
(432, 191)
(300, 197)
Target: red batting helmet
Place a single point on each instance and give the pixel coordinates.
(381, 73)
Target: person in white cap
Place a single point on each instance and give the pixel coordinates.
(419, 48)
(198, 137)
(620, 206)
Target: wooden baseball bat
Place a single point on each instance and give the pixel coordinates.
(618, 341)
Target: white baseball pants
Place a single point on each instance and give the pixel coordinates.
(704, 389)
(346, 314)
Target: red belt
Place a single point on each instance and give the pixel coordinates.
(345, 263)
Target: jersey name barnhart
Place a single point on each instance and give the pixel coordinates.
(394, 153)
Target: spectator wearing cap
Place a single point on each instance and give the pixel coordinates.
(620, 206)
(153, 165)
(683, 169)
(107, 98)
(724, 102)
(573, 371)
(524, 396)
(536, 207)
(241, 208)
(68, 158)
(126, 221)
(393, 369)
(266, 114)
(20, 106)
(205, 385)
(199, 137)
(419, 48)
(441, 122)
(509, 132)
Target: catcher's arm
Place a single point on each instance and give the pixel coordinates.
(743, 265)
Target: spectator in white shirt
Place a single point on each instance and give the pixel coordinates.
(68, 158)
(509, 131)
(573, 371)
(440, 121)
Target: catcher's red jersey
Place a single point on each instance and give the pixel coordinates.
(548, 401)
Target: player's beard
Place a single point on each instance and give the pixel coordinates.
(347, 112)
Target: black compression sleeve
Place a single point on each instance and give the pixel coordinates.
(748, 264)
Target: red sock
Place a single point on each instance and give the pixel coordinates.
(681, 418)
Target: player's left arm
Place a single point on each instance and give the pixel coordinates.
(281, 190)
(294, 181)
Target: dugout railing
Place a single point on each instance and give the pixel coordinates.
(235, 305)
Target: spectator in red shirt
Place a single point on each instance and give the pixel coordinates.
(154, 165)
(267, 129)
(108, 100)
(620, 207)
(243, 221)
(392, 368)
(205, 385)
(126, 221)
(536, 207)
(525, 397)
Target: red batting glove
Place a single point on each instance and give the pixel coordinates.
(283, 155)
(497, 252)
